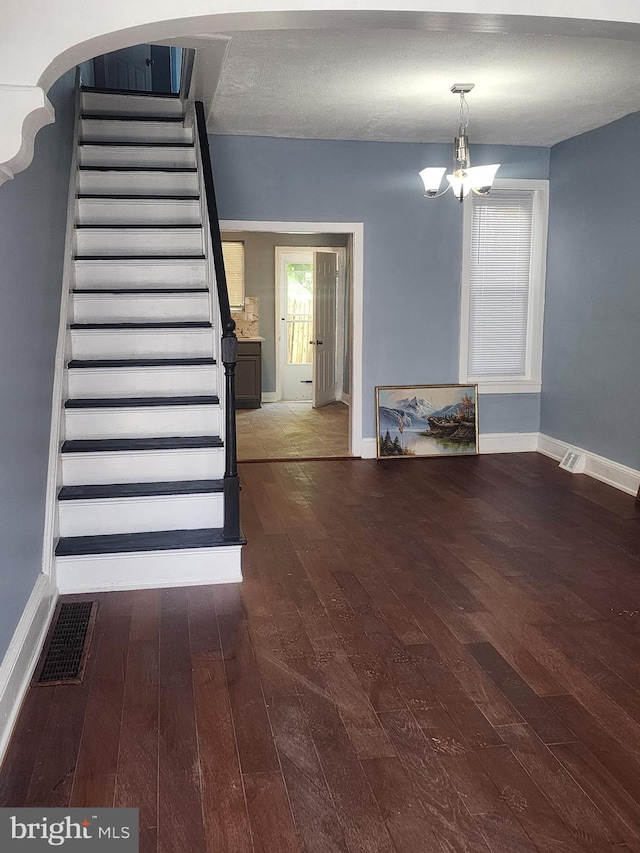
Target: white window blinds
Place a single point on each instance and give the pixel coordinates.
(499, 284)
(233, 254)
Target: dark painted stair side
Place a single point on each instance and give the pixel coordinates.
(141, 291)
(122, 543)
(142, 402)
(101, 117)
(120, 445)
(186, 325)
(140, 490)
(78, 363)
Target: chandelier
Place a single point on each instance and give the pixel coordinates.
(465, 178)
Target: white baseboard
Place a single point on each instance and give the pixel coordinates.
(345, 398)
(492, 442)
(269, 397)
(22, 655)
(368, 448)
(508, 442)
(606, 470)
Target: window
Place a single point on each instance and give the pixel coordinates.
(233, 254)
(505, 235)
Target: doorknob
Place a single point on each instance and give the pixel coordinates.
(149, 61)
(316, 343)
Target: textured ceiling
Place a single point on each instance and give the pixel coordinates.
(393, 85)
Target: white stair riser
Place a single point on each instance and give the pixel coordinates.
(106, 308)
(142, 381)
(137, 155)
(136, 273)
(136, 515)
(138, 212)
(147, 466)
(142, 422)
(191, 567)
(134, 241)
(131, 343)
(134, 131)
(135, 105)
(138, 182)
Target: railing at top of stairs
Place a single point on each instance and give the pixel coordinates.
(229, 341)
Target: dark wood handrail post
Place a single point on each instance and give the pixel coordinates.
(229, 343)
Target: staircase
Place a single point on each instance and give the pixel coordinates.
(142, 502)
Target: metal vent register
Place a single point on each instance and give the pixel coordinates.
(65, 652)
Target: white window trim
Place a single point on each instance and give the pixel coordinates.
(532, 382)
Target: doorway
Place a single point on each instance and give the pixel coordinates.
(288, 425)
(311, 324)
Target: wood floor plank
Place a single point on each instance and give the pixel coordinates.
(95, 775)
(137, 771)
(544, 722)
(270, 815)
(569, 800)
(180, 819)
(451, 822)
(226, 821)
(24, 746)
(358, 812)
(313, 810)
(253, 733)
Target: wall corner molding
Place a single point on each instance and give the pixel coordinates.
(22, 655)
(608, 471)
(25, 110)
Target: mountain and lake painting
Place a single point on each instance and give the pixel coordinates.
(427, 420)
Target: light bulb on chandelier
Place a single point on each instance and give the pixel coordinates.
(465, 178)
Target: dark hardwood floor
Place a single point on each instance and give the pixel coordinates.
(426, 656)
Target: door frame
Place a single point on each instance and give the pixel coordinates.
(355, 231)
(341, 252)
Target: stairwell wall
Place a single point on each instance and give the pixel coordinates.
(33, 210)
(412, 246)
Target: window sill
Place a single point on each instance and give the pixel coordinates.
(512, 386)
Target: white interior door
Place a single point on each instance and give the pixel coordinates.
(325, 274)
(296, 324)
(129, 68)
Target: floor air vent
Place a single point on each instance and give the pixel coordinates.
(573, 461)
(65, 652)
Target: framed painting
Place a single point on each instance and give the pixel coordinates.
(426, 420)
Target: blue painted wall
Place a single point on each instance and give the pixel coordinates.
(33, 212)
(592, 319)
(412, 246)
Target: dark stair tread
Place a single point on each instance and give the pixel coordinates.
(114, 445)
(139, 258)
(140, 490)
(137, 197)
(104, 90)
(185, 325)
(139, 402)
(160, 540)
(141, 290)
(102, 143)
(103, 117)
(160, 226)
(77, 363)
(138, 169)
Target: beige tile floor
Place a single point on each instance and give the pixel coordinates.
(293, 430)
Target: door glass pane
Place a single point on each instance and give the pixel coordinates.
(299, 316)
